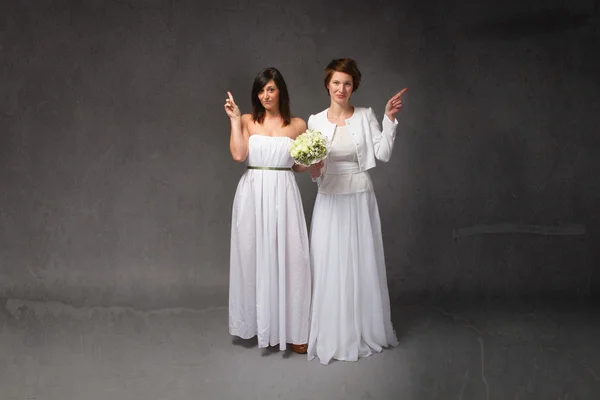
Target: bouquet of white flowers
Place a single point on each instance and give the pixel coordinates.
(309, 148)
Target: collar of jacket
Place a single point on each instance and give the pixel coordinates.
(329, 127)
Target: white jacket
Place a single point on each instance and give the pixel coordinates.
(370, 141)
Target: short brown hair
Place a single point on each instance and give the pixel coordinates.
(347, 66)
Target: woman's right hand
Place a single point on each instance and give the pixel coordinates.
(231, 108)
(315, 169)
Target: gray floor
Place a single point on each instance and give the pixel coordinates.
(457, 351)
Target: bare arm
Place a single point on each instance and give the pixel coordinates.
(238, 140)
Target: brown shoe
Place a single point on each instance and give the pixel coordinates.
(300, 348)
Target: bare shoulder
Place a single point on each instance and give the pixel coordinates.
(299, 124)
(246, 119)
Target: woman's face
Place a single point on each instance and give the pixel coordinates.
(269, 96)
(340, 87)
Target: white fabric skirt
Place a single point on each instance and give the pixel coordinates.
(269, 279)
(350, 312)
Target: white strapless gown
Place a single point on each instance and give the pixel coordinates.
(270, 281)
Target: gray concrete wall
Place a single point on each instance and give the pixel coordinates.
(117, 183)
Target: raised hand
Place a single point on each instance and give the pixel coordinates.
(231, 108)
(394, 104)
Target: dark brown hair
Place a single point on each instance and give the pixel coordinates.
(347, 66)
(264, 77)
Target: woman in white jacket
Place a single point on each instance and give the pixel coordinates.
(350, 315)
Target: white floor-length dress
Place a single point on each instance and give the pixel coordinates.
(270, 281)
(350, 315)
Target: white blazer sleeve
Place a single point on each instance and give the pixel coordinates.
(383, 140)
(311, 125)
(310, 122)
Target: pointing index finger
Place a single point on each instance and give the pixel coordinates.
(400, 93)
(230, 96)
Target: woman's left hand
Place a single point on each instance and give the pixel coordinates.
(394, 105)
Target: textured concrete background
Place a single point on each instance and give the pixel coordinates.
(116, 181)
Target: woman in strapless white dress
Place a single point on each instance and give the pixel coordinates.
(350, 315)
(270, 282)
